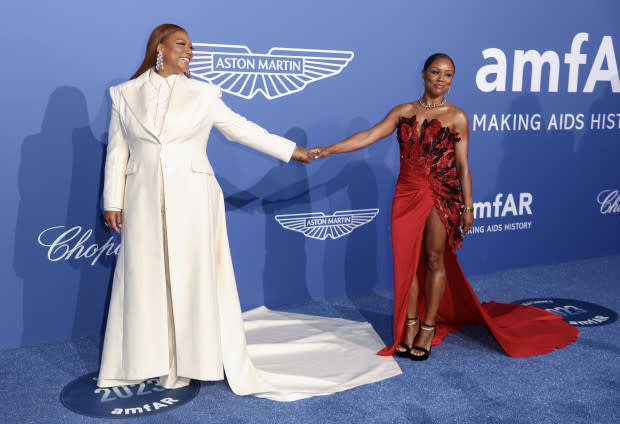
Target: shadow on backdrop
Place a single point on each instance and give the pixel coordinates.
(60, 183)
(44, 180)
(540, 162)
(365, 182)
(597, 154)
(284, 189)
(84, 209)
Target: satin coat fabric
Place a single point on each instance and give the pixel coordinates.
(202, 280)
(298, 355)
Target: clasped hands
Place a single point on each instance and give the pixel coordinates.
(114, 219)
(306, 156)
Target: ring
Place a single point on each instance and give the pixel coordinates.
(106, 224)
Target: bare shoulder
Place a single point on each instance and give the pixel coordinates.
(457, 113)
(457, 116)
(405, 110)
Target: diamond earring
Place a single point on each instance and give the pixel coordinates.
(159, 62)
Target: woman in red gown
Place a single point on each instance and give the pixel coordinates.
(431, 211)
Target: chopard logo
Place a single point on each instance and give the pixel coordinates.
(280, 72)
(609, 201)
(64, 243)
(319, 226)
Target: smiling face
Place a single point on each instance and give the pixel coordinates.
(177, 52)
(438, 77)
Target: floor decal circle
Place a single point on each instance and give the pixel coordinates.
(82, 396)
(575, 312)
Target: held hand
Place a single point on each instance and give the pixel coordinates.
(302, 155)
(466, 221)
(114, 220)
(320, 152)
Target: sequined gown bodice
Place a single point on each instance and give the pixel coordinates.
(427, 157)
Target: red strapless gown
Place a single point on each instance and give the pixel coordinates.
(428, 178)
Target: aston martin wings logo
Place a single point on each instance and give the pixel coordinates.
(281, 71)
(319, 226)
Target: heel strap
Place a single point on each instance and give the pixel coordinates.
(412, 321)
(427, 327)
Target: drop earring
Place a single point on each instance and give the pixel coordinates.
(159, 62)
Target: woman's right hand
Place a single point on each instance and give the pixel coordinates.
(114, 220)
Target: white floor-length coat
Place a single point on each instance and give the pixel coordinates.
(208, 324)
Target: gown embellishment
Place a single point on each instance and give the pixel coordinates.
(430, 155)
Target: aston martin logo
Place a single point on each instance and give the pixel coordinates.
(281, 71)
(319, 226)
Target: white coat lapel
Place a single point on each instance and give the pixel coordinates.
(137, 99)
(184, 99)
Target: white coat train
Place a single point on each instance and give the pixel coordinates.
(287, 356)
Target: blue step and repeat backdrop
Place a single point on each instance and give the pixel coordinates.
(539, 81)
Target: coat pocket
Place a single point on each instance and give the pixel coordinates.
(202, 165)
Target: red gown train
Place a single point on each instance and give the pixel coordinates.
(428, 179)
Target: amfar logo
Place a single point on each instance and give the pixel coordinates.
(575, 312)
(504, 205)
(281, 71)
(133, 400)
(319, 226)
(609, 201)
(603, 69)
(501, 206)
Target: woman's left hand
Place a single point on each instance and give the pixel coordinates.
(320, 152)
(466, 221)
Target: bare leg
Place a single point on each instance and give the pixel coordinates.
(411, 325)
(434, 244)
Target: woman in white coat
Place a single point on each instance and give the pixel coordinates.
(174, 310)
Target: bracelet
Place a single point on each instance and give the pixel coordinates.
(466, 209)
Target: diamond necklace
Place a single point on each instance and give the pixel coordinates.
(425, 106)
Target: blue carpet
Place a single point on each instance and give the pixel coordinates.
(468, 379)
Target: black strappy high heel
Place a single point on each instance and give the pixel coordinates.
(410, 322)
(426, 353)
